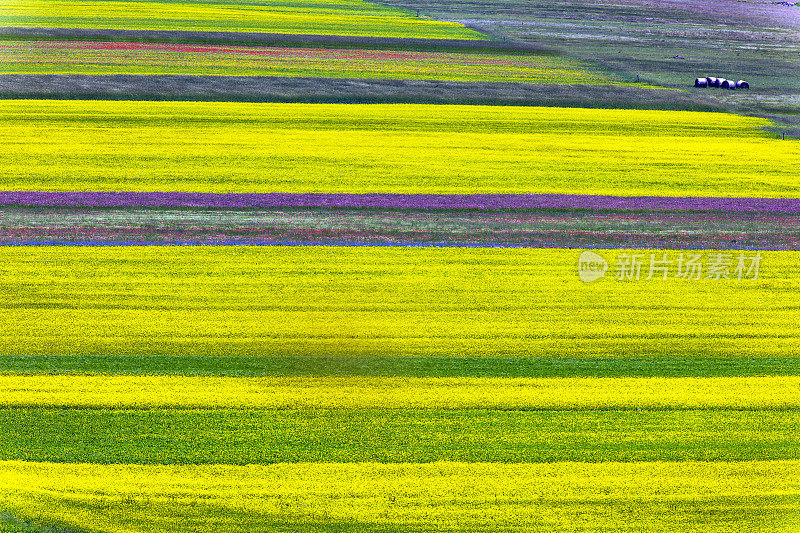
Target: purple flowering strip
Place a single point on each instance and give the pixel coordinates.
(481, 202)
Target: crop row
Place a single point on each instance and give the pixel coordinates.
(407, 227)
(775, 392)
(343, 17)
(54, 57)
(408, 366)
(234, 147)
(355, 301)
(565, 204)
(644, 497)
(393, 435)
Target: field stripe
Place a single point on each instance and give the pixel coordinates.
(402, 366)
(393, 201)
(393, 392)
(252, 436)
(470, 42)
(544, 220)
(197, 19)
(384, 301)
(293, 89)
(389, 227)
(643, 497)
(92, 58)
(384, 148)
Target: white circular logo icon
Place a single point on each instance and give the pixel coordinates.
(591, 266)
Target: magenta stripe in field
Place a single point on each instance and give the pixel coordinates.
(400, 201)
(542, 221)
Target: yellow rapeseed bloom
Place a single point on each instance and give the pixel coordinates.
(646, 497)
(319, 300)
(343, 17)
(236, 147)
(772, 392)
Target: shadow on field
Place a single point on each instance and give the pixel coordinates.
(723, 512)
(13, 524)
(138, 511)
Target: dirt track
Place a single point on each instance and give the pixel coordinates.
(289, 89)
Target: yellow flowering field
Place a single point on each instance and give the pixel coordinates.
(392, 383)
(644, 497)
(143, 392)
(343, 17)
(392, 148)
(319, 300)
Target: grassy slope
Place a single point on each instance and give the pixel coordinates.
(734, 40)
(756, 41)
(465, 149)
(349, 17)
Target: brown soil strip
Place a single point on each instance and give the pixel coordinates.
(533, 228)
(294, 89)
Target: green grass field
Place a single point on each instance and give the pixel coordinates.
(230, 436)
(754, 40)
(239, 147)
(396, 365)
(347, 17)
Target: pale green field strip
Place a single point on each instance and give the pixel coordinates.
(236, 147)
(756, 393)
(366, 301)
(443, 496)
(342, 17)
(47, 57)
(392, 436)
(401, 366)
